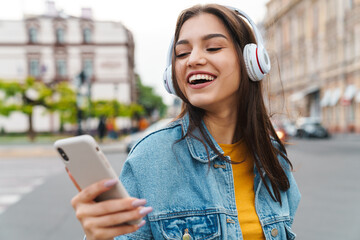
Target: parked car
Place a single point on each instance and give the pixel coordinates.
(311, 128)
(132, 139)
(290, 128)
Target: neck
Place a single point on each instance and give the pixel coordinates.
(221, 125)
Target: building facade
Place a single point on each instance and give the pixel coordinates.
(56, 47)
(315, 48)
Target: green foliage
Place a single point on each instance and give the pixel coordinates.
(10, 88)
(149, 100)
(64, 102)
(60, 97)
(23, 96)
(114, 108)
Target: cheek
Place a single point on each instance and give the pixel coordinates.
(181, 82)
(180, 72)
(179, 69)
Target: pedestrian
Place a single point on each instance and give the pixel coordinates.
(102, 128)
(218, 171)
(143, 123)
(111, 128)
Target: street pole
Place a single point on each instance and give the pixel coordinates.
(79, 82)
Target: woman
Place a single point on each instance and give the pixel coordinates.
(217, 172)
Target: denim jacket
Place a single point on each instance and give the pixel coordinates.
(189, 194)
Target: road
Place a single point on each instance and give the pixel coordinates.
(326, 172)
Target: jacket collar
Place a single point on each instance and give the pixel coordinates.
(196, 148)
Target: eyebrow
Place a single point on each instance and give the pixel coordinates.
(206, 37)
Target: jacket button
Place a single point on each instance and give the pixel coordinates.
(186, 235)
(274, 232)
(230, 220)
(219, 166)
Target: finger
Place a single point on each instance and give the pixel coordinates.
(108, 207)
(89, 193)
(73, 179)
(116, 219)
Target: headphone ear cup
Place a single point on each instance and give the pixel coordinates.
(264, 60)
(251, 62)
(168, 83)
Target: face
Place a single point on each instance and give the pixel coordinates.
(206, 64)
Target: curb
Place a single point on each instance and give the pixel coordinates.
(28, 151)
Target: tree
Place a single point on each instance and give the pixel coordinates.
(64, 102)
(113, 108)
(149, 100)
(23, 97)
(56, 97)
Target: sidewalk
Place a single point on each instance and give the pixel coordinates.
(109, 146)
(347, 136)
(47, 149)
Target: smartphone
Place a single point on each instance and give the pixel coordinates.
(87, 164)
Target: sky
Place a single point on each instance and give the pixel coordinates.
(151, 22)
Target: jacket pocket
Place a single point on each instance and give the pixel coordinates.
(289, 233)
(204, 227)
(280, 230)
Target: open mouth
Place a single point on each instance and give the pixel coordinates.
(200, 78)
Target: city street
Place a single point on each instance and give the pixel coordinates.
(36, 192)
(328, 176)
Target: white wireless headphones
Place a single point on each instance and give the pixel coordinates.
(256, 58)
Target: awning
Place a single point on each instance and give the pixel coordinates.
(349, 93)
(325, 101)
(301, 94)
(335, 96)
(296, 96)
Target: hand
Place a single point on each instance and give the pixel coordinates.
(107, 219)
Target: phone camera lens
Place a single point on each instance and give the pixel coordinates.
(63, 154)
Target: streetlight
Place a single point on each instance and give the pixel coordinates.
(83, 97)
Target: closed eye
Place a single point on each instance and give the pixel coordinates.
(180, 55)
(213, 49)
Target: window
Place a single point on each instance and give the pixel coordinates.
(60, 35)
(87, 35)
(337, 114)
(61, 67)
(32, 35)
(351, 112)
(88, 67)
(315, 19)
(34, 68)
(301, 24)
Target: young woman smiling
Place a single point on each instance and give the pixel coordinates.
(219, 170)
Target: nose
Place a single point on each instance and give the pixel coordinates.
(196, 58)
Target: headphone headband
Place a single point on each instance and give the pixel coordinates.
(258, 37)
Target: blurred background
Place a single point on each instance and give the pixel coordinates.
(95, 67)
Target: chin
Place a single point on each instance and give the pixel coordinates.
(200, 102)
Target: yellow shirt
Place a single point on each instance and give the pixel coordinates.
(244, 189)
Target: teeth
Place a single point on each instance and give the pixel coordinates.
(201, 76)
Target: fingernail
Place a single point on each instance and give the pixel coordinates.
(146, 210)
(142, 223)
(139, 202)
(110, 183)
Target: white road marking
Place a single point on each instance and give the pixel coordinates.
(19, 177)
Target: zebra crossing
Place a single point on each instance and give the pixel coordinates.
(20, 176)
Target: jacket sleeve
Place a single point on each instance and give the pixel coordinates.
(130, 182)
(293, 193)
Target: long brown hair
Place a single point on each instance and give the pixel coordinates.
(253, 123)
